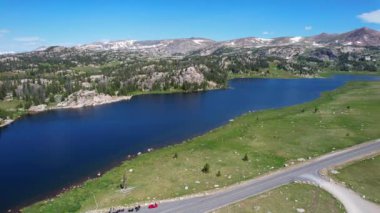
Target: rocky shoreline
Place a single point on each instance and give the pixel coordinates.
(5, 122)
(80, 99)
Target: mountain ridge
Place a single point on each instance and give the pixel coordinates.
(166, 47)
(192, 64)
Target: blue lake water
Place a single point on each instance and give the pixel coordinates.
(41, 154)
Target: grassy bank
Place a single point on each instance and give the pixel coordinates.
(288, 198)
(270, 139)
(271, 72)
(11, 109)
(276, 74)
(328, 74)
(362, 177)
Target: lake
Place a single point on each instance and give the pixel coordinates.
(41, 154)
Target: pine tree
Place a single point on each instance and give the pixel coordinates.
(206, 168)
(245, 158)
(123, 185)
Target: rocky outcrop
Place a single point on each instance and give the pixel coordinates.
(189, 75)
(5, 122)
(192, 75)
(38, 108)
(84, 98)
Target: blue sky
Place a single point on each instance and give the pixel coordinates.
(28, 24)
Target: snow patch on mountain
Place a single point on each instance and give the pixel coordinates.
(296, 39)
(7, 52)
(199, 41)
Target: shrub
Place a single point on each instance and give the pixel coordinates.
(206, 168)
(245, 158)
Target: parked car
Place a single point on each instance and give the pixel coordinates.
(153, 206)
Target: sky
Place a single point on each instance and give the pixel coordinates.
(28, 24)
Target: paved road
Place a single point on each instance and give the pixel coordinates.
(262, 184)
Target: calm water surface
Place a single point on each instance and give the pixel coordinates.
(41, 154)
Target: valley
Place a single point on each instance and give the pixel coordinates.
(48, 76)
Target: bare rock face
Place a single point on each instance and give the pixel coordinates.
(38, 108)
(153, 47)
(5, 122)
(359, 37)
(153, 78)
(84, 98)
(190, 75)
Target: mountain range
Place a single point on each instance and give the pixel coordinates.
(125, 67)
(362, 37)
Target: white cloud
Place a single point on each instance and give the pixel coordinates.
(267, 33)
(29, 39)
(3, 32)
(6, 52)
(307, 28)
(371, 17)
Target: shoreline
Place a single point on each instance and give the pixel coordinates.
(79, 106)
(6, 122)
(43, 108)
(115, 99)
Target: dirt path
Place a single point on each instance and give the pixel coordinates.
(351, 200)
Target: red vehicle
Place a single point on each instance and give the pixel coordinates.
(153, 206)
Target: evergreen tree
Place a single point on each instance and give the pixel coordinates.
(206, 168)
(123, 185)
(245, 158)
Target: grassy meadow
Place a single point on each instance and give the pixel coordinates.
(363, 177)
(288, 198)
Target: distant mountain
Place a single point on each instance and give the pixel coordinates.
(170, 47)
(192, 64)
(355, 50)
(163, 47)
(6, 53)
(360, 37)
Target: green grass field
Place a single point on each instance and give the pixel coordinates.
(339, 119)
(10, 109)
(362, 177)
(327, 74)
(288, 198)
(271, 72)
(10, 105)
